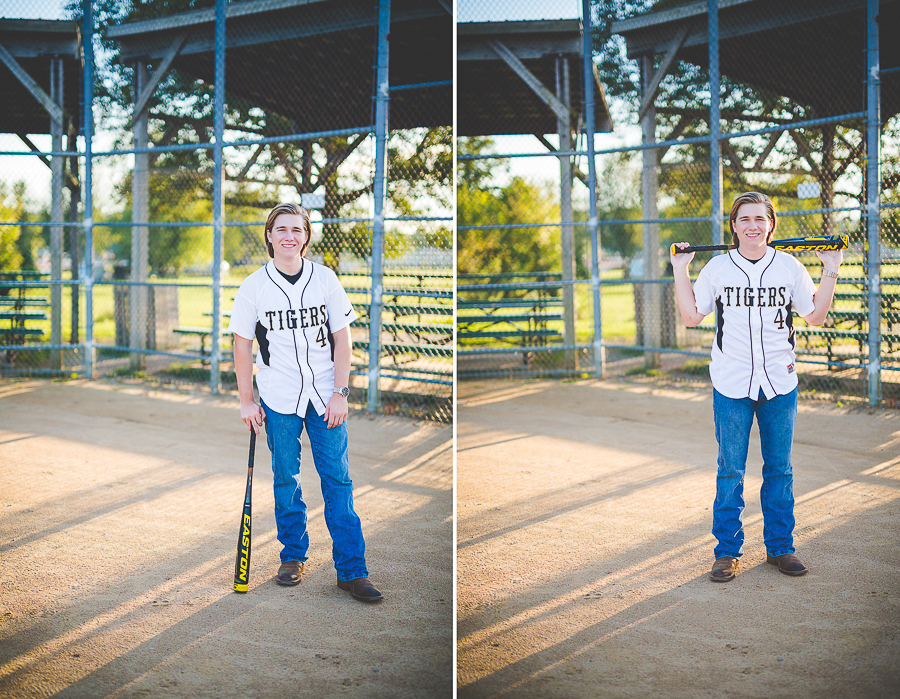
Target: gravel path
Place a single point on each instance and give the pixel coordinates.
(584, 546)
(119, 511)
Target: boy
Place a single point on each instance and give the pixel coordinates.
(753, 289)
(300, 315)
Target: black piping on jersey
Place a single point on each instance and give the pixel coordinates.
(762, 334)
(293, 336)
(792, 338)
(330, 338)
(720, 321)
(749, 328)
(312, 270)
(263, 340)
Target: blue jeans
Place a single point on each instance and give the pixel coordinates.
(329, 450)
(776, 418)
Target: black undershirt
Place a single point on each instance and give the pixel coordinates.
(739, 253)
(292, 278)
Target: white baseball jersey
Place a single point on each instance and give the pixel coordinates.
(293, 324)
(754, 344)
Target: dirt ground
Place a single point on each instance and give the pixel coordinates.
(583, 547)
(119, 513)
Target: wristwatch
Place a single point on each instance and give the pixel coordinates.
(343, 390)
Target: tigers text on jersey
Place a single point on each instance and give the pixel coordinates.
(753, 347)
(293, 324)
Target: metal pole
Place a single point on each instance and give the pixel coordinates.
(873, 199)
(650, 295)
(715, 155)
(567, 231)
(138, 295)
(218, 203)
(87, 281)
(56, 213)
(588, 70)
(381, 127)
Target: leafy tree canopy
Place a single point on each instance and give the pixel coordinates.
(480, 202)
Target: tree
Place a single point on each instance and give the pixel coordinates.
(619, 199)
(258, 177)
(18, 244)
(772, 164)
(482, 202)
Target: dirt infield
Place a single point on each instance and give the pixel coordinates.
(583, 550)
(119, 510)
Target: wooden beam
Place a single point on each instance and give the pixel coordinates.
(250, 163)
(157, 76)
(854, 154)
(601, 104)
(335, 161)
(53, 109)
(550, 147)
(732, 155)
(727, 114)
(773, 139)
(529, 78)
(288, 167)
(682, 124)
(662, 71)
(44, 159)
(27, 141)
(803, 148)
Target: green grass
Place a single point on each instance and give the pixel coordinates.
(194, 304)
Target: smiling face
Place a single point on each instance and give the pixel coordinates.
(288, 237)
(753, 227)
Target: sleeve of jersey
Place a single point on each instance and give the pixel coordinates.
(704, 294)
(243, 313)
(340, 310)
(803, 298)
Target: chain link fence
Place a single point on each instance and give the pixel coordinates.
(196, 127)
(524, 246)
(793, 119)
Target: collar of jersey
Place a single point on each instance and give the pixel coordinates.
(748, 266)
(284, 283)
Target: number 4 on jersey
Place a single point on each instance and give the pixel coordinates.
(779, 319)
(321, 338)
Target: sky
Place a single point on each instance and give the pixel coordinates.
(510, 10)
(31, 9)
(466, 10)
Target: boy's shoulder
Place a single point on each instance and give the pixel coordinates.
(253, 280)
(787, 260)
(717, 263)
(324, 274)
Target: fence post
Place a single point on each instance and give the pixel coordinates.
(651, 298)
(56, 213)
(218, 203)
(587, 51)
(381, 131)
(138, 293)
(873, 200)
(715, 155)
(567, 230)
(87, 35)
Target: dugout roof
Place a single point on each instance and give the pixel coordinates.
(32, 44)
(288, 56)
(493, 100)
(812, 51)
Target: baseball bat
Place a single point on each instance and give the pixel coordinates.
(242, 558)
(808, 244)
